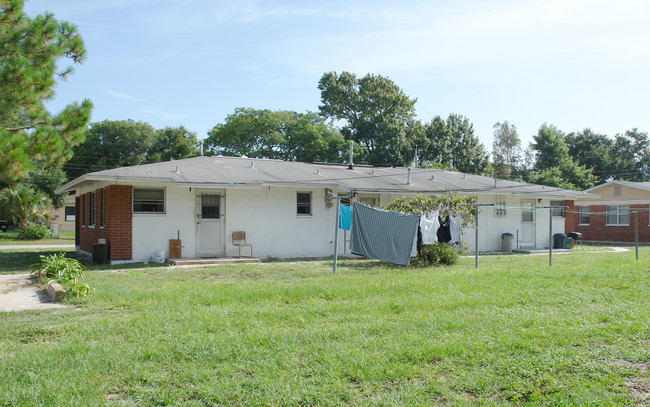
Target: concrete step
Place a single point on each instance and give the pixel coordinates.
(212, 260)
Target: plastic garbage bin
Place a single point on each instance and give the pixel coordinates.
(558, 240)
(568, 243)
(506, 242)
(101, 253)
(4, 226)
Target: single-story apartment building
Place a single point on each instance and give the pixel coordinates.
(285, 208)
(609, 214)
(63, 219)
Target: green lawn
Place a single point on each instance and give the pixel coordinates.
(516, 331)
(11, 238)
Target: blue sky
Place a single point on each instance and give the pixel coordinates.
(571, 63)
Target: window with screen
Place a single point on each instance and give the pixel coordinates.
(148, 200)
(618, 215)
(583, 215)
(303, 203)
(70, 212)
(93, 209)
(558, 209)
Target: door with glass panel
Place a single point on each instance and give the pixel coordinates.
(527, 235)
(209, 224)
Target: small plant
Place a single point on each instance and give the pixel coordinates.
(32, 231)
(435, 254)
(63, 270)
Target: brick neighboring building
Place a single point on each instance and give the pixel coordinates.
(610, 217)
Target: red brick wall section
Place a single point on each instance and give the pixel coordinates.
(598, 231)
(77, 223)
(118, 219)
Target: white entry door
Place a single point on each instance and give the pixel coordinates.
(209, 224)
(527, 237)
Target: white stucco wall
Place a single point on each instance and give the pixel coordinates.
(152, 232)
(269, 217)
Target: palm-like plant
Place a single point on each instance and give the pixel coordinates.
(24, 204)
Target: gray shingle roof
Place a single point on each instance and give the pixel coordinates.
(234, 171)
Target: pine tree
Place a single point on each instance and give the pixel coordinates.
(29, 52)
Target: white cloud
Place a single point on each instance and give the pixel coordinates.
(165, 115)
(123, 96)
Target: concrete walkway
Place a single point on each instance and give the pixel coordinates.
(18, 293)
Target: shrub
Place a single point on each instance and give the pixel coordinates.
(32, 231)
(435, 254)
(65, 271)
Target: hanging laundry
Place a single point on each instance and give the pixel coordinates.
(383, 235)
(443, 233)
(429, 227)
(454, 229)
(345, 216)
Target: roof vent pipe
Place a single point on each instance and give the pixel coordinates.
(433, 177)
(463, 176)
(201, 147)
(451, 164)
(177, 170)
(351, 157)
(318, 171)
(372, 171)
(252, 164)
(408, 181)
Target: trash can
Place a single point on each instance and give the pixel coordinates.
(558, 240)
(506, 242)
(4, 226)
(568, 243)
(101, 253)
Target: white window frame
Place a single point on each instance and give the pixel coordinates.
(619, 214)
(581, 210)
(164, 201)
(93, 209)
(558, 210)
(303, 204)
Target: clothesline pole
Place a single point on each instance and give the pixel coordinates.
(636, 233)
(476, 206)
(336, 231)
(550, 237)
(476, 238)
(336, 228)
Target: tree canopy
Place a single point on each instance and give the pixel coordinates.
(121, 143)
(377, 115)
(31, 51)
(453, 140)
(553, 165)
(281, 134)
(506, 150)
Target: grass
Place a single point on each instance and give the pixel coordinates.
(291, 334)
(10, 238)
(20, 260)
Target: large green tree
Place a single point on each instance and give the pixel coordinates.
(631, 152)
(376, 112)
(506, 150)
(553, 165)
(453, 140)
(173, 143)
(594, 151)
(111, 144)
(31, 51)
(282, 134)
